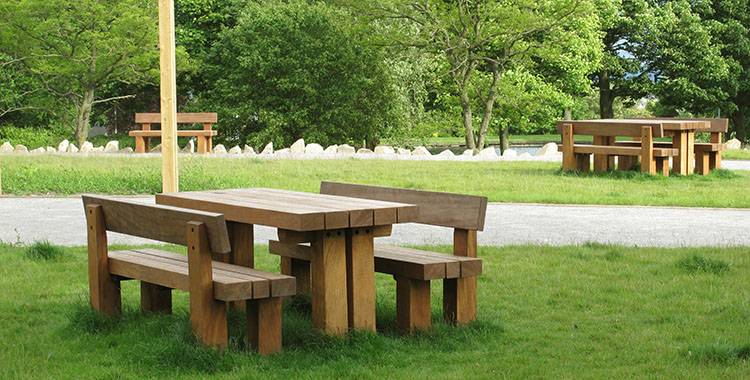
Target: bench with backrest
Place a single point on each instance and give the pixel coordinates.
(211, 284)
(578, 156)
(707, 155)
(414, 269)
(203, 136)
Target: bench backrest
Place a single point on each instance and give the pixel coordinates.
(162, 223)
(182, 118)
(613, 128)
(438, 209)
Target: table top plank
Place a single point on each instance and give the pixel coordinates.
(667, 124)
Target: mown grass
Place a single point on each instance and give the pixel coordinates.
(544, 312)
(743, 154)
(540, 182)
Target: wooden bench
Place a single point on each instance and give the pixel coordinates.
(578, 156)
(211, 284)
(204, 136)
(414, 269)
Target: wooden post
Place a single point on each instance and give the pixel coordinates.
(360, 278)
(170, 173)
(569, 160)
(328, 269)
(460, 294)
(104, 291)
(714, 159)
(208, 316)
(648, 165)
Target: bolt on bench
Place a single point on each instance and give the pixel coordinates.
(414, 269)
(204, 137)
(211, 284)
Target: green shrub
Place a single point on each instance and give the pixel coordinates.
(44, 251)
(32, 138)
(701, 264)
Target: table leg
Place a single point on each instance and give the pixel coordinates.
(360, 275)
(241, 238)
(328, 270)
(690, 152)
(680, 162)
(202, 141)
(601, 161)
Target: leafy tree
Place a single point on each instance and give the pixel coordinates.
(74, 49)
(295, 69)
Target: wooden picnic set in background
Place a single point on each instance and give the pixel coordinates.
(327, 246)
(203, 136)
(687, 156)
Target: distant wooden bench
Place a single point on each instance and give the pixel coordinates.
(414, 269)
(653, 158)
(211, 284)
(204, 136)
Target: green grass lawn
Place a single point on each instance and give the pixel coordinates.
(514, 139)
(500, 182)
(544, 312)
(743, 154)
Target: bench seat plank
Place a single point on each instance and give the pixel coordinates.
(708, 147)
(231, 283)
(180, 133)
(622, 150)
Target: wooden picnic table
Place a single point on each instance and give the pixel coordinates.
(682, 132)
(340, 230)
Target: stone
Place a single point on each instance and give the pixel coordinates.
(510, 153)
(384, 149)
(112, 147)
(38, 151)
(733, 144)
(421, 151)
(525, 155)
(282, 152)
(314, 149)
(345, 149)
(51, 149)
(549, 149)
(268, 149)
(156, 149)
(446, 153)
(21, 149)
(6, 148)
(235, 150)
(98, 149)
(63, 146)
(126, 150)
(220, 149)
(189, 147)
(364, 151)
(72, 148)
(403, 152)
(248, 150)
(298, 147)
(488, 153)
(331, 149)
(86, 147)
(468, 152)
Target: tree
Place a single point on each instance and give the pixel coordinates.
(489, 36)
(73, 49)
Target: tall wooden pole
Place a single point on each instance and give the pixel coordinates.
(169, 172)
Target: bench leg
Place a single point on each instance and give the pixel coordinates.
(460, 295)
(103, 289)
(714, 160)
(202, 141)
(298, 269)
(662, 165)
(210, 144)
(412, 305)
(140, 145)
(208, 316)
(583, 162)
(155, 298)
(702, 163)
(625, 163)
(264, 325)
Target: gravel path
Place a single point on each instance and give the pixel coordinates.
(61, 221)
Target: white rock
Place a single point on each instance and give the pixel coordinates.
(112, 147)
(63, 146)
(510, 153)
(403, 152)
(248, 150)
(314, 149)
(549, 149)
(72, 148)
(86, 147)
(733, 144)
(268, 149)
(364, 151)
(345, 149)
(468, 152)
(98, 149)
(384, 149)
(488, 153)
(38, 151)
(282, 152)
(51, 149)
(126, 150)
(331, 149)
(21, 149)
(220, 149)
(446, 153)
(6, 148)
(189, 147)
(298, 147)
(421, 151)
(156, 149)
(235, 150)
(525, 155)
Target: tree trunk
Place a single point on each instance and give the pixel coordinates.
(504, 140)
(84, 116)
(489, 104)
(468, 126)
(606, 100)
(738, 119)
(567, 114)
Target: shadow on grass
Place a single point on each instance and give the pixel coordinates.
(700, 264)
(719, 353)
